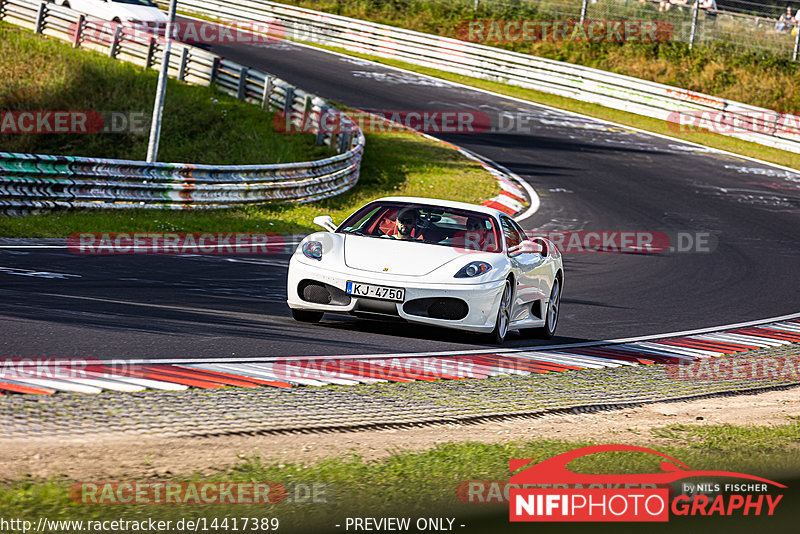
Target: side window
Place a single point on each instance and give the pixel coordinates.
(519, 230)
(362, 219)
(510, 232)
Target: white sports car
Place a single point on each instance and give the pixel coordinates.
(429, 261)
(133, 12)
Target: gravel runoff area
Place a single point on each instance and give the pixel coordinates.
(375, 406)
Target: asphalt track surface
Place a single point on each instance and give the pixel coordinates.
(590, 176)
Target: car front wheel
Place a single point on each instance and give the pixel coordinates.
(503, 316)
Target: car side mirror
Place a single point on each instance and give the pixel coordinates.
(534, 246)
(325, 221)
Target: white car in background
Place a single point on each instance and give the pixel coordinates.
(132, 12)
(429, 261)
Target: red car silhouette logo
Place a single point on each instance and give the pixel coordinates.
(554, 470)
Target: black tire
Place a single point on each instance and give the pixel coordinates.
(551, 315)
(503, 321)
(306, 316)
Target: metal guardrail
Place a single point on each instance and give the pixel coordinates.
(759, 125)
(40, 181)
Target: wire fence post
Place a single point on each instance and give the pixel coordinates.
(584, 7)
(477, 3)
(695, 14)
(796, 45)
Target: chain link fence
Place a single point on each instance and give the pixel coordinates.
(749, 26)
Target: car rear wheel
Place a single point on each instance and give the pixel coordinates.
(305, 316)
(503, 316)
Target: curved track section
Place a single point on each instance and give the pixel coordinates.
(591, 176)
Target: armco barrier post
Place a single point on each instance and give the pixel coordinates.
(307, 107)
(214, 69)
(267, 91)
(241, 92)
(184, 61)
(288, 100)
(40, 14)
(3, 8)
(695, 13)
(112, 50)
(321, 133)
(76, 37)
(151, 53)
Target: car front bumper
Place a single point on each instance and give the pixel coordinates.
(482, 299)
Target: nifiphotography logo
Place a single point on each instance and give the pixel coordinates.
(548, 491)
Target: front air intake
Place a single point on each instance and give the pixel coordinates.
(320, 293)
(447, 308)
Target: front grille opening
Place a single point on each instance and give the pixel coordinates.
(320, 293)
(374, 306)
(447, 308)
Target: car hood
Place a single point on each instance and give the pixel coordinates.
(397, 257)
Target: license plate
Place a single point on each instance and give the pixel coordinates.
(376, 292)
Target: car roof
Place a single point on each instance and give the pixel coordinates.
(444, 204)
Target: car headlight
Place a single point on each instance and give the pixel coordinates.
(313, 250)
(473, 269)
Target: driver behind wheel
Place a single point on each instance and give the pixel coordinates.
(406, 224)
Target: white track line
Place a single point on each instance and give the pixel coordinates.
(688, 351)
(560, 358)
(582, 359)
(784, 327)
(751, 340)
(151, 383)
(636, 347)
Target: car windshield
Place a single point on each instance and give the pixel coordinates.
(146, 3)
(420, 223)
